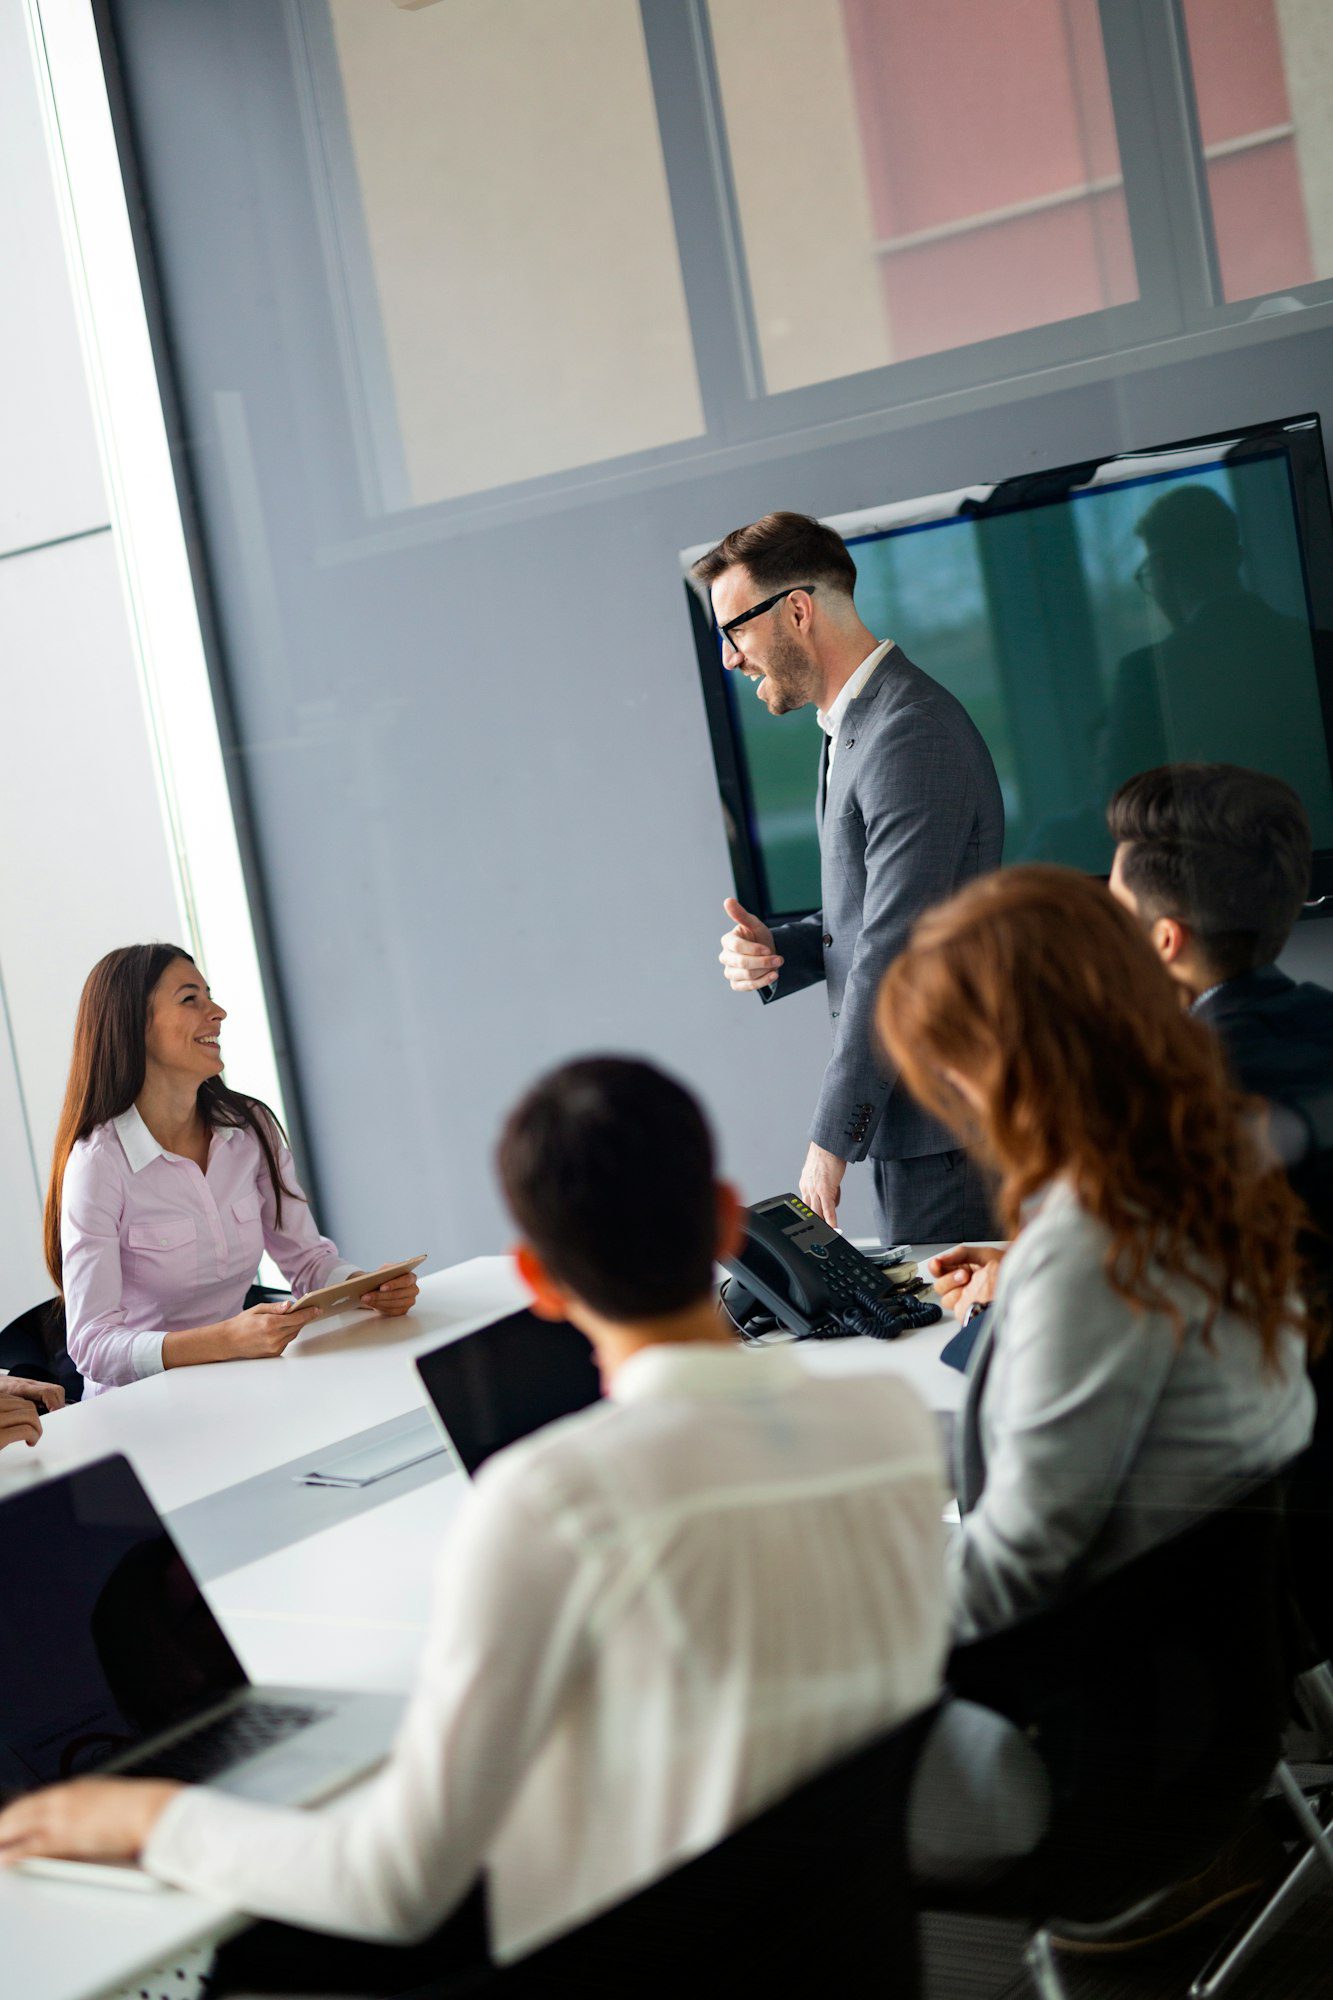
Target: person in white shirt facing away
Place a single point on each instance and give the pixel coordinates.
(652, 1618)
(167, 1187)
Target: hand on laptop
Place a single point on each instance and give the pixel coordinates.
(21, 1405)
(965, 1277)
(92, 1819)
(394, 1297)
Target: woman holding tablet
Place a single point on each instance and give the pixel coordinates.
(167, 1187)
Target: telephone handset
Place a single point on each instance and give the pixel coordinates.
(816, 1283)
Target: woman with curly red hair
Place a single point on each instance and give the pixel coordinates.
(1144, 1356)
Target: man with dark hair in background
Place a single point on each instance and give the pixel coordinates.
(909, 809)
(1214, 861)
(651, 1619)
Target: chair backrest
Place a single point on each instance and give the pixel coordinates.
(1157, 1697)
(34, 1345)
(809, 1897)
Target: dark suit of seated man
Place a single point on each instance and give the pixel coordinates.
(1215, 862)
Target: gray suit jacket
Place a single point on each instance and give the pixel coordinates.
(1089, 1433)
(913, 811)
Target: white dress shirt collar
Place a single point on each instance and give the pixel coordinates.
(705, 1371)
(138, 1143)
(830, 719)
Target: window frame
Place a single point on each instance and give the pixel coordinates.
(1178, 314)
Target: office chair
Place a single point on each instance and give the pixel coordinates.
(263, 1295)
(34, 1345)
(811, 1896)
(1158, 1699)
(1309, 1522)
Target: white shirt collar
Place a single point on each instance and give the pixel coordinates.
(701, 1371)
(138, 1143)
(1203, 998)
(830, 719)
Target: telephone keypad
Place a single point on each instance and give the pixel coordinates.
(848, 1293)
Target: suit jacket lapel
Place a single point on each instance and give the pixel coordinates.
(856, 710)
(859, 714)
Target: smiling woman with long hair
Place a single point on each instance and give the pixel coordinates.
(167, 1186)
(1144, 1354)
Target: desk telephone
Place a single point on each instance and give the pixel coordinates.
(816, 1283)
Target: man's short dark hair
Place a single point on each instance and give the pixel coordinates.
(782, 549)
(607, 1166)
(1225, 850)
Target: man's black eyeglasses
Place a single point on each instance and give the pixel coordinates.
(724, 632)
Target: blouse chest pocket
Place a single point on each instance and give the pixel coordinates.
(162, 1260)
(173, 1233)
(247, 1235)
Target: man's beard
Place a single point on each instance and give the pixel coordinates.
(790, 676)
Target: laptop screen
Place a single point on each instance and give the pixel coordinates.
(105, 1637)
(491, 1387)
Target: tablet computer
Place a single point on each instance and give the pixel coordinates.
(348, 1290)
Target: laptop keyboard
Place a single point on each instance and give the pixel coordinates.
(229, 1739)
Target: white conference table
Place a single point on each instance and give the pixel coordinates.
(344, 1606)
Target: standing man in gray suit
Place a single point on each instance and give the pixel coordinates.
(909, 809)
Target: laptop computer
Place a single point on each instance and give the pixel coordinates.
(111, 1661)
(495, 1385)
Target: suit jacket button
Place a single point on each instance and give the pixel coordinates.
(826, 940)
(848, 744)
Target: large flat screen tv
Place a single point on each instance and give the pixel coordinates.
(1094, 620)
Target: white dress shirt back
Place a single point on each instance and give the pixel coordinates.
(652, 1619)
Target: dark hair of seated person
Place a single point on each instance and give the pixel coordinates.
(1221, 849)
(608, 1168)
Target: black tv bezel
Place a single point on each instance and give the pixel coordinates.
(1300, 437)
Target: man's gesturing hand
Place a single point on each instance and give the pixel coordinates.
(821, 1183)
(747, 953)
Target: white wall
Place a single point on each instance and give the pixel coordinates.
(84, 857)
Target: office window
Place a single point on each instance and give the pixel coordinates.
(1263, 77)
(911, 179)
(520, 241)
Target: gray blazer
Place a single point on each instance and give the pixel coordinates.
(1088, 1433)
(913, 811)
